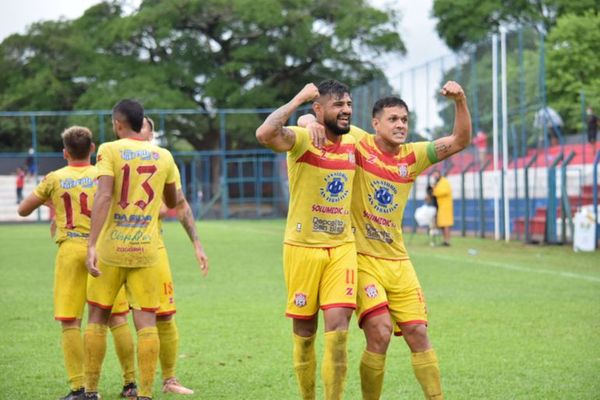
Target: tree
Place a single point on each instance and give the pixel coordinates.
(198, 54)
(577, 64)
(462, 22)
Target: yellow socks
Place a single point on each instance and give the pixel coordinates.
(148, 348)
(94, 346)
(372, 366)
(335, 364)
(72, 346)
(427, 371)
(125, 351)
(305, 364)
(169, 342)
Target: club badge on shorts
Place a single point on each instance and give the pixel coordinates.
(371, 291)
(300, 299)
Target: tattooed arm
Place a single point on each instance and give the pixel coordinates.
(272, 133)
(461, 134)
(186, 218)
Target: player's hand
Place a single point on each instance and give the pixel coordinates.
(202, 260)
(92, 262)
(308, 93)
(453, 91)
(316, 131)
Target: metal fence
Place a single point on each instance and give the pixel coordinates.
(234, 180)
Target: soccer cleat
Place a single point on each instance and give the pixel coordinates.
(143, 398)
(129, 391)
(75, 395)
(172, 385)
(91, 396)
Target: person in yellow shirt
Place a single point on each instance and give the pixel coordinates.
(70, 192)
(319, 255)
(389, 295)
(168, 334)
(445, 214)
(133, 177)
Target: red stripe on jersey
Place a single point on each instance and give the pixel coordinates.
(389, 159)
(339, 148)
(326, 163)
(379, 171)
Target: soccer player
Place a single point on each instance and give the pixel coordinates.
(389, 294)
(318, 253)
(70, 191)
(167, 329)
(133, 177)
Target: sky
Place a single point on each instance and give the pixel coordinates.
(417, 29)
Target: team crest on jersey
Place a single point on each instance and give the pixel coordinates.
(371, 291)
(335, 189)
(300, 299)
(382, 196)
(403, 170)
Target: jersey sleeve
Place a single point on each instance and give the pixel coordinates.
(43, 191)
(302, 142)
(425, 155)
(177, 178)
(172, 171)
(105, 161)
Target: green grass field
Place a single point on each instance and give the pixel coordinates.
(510, 322)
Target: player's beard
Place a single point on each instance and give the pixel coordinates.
(331, 124)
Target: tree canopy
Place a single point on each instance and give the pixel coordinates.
(199, 54)
(462, 22)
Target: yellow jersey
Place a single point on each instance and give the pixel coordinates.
(177, 187)
(381, 189)
(71, 190)
(320, 182)
(131, 235)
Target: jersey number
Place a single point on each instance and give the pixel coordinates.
(142, 169)
(84, 210)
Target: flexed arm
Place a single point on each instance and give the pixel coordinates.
(272, 133)
(461, 134)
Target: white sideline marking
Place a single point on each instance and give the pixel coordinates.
(522, 269)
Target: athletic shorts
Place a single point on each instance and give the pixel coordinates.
(319, 277)
(141, 284)
(70, 283)
(166, 288)
(389, 285)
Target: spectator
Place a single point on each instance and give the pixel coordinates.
(480, 143)
(20, 184)
(592, 125)
(30, 163)
(445, 215)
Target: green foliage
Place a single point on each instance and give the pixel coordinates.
(462, 22)
(199, 54)
(511, 322)
(573, 47)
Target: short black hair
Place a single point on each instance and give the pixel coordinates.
(130, 112)
(389, 101)
(333, 87)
